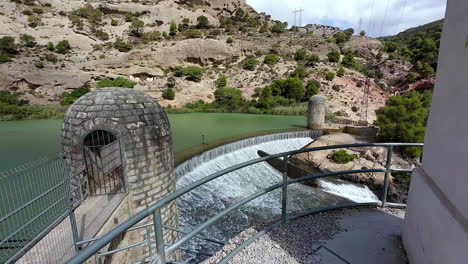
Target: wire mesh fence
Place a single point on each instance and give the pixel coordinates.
(41, 219)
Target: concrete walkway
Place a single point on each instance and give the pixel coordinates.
(357, 236)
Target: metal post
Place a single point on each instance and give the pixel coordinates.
(148, 238)
(71, 210)
(388, 164)
(158, 232)
(284, 205)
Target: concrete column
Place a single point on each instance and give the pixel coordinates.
(436, 224)
(316, 112)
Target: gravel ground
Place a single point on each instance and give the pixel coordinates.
(294, 242)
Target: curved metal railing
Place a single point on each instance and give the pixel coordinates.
(155, 209)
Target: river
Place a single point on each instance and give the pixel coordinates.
(24, 141)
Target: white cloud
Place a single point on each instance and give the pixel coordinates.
(380, 17)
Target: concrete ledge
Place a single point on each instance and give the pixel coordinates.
(431, 232)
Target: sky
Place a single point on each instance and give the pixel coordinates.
(379, 17)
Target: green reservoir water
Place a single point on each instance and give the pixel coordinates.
(24, 141)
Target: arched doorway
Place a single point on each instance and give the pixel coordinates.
(103, 163)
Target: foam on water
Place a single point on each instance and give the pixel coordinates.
(359, 194)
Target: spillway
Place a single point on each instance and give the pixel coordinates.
(212, 198)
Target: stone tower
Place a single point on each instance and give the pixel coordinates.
(316, 112)
(142, 128)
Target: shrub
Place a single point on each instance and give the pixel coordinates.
(27, 40)
(279, 27)
(250, 63)
(312, 60)
(330, 76)
(173, 29)
(136, 28)
(76, 21)
(148, 37)
(342, 157)
(101, 34)
(336, 88)
(271, 59)
(340, 72)
(221, 81)
(362, 33)
(128, 17)
(300, 55)
(291, 88)
(7, 45)
(27, 12)
(230, 99)
(70, 98)
(39, 65)
(7, 97)
(229, 40)
(117, 82)
(179, 71)
(349, 60)
(51, 57)
(403, 119)
(334, 56)
(168, 94)
(63, 47)
(171, 82)
(214, 32)
(312, 88)
(50, 46)
(355, 109)
(359, 84)
(203, 22)
(194, 73)
(300, 72)
(4, 58)
(34, 21)
(38, 10)
(114, 23)
(193, 33)
(122, 46)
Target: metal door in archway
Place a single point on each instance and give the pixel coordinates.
(104, 163)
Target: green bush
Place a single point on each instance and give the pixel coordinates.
(68, 98)
(136, 28)
(39, 65)
(101, 34)
(312, 88)
(349, 60)
(128, 17)
(250, 63)
(300, 55)
(4, 58)
(334, 56)
(63, 47)
(168, 94)
(215, 32)
(117, 82)
(193, 33)
(229, 40)
(221, 81)
(27, 12)
(203, 22)
(330, 76)
(50, 46)
(148, 37)
(114, 22)
(27, 40)
(300, 72)
(122, 46)
(271, 59)
(38, 10)
(7, 97)
(279, 27)
(34, 21)
(342, 157)
(194, 73)
(51, 57)
(173, 30)
(230, 99)
(312, 59)
(340, 72)
(362, 33)
(171, 82)
(336, 88)
(179, 71)
(355, 109)
(403, 119)
(291, 88)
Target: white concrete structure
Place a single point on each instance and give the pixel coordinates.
(436, 222)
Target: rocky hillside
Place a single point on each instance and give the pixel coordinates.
(62, 45)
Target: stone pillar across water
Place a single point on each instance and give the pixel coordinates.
(140, 126)
(316, 112)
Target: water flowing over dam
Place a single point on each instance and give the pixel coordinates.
(210, 199)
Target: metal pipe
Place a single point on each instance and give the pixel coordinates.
(158, 233)
(388, 164)
(284, 204)
(148, 239)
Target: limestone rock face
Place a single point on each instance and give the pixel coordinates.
(363, 47)
(394, 69)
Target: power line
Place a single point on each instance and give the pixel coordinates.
(370, 25)
(384, 18)
(402, 13)
(300, 16)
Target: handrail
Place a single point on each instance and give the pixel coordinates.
(154, 209)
